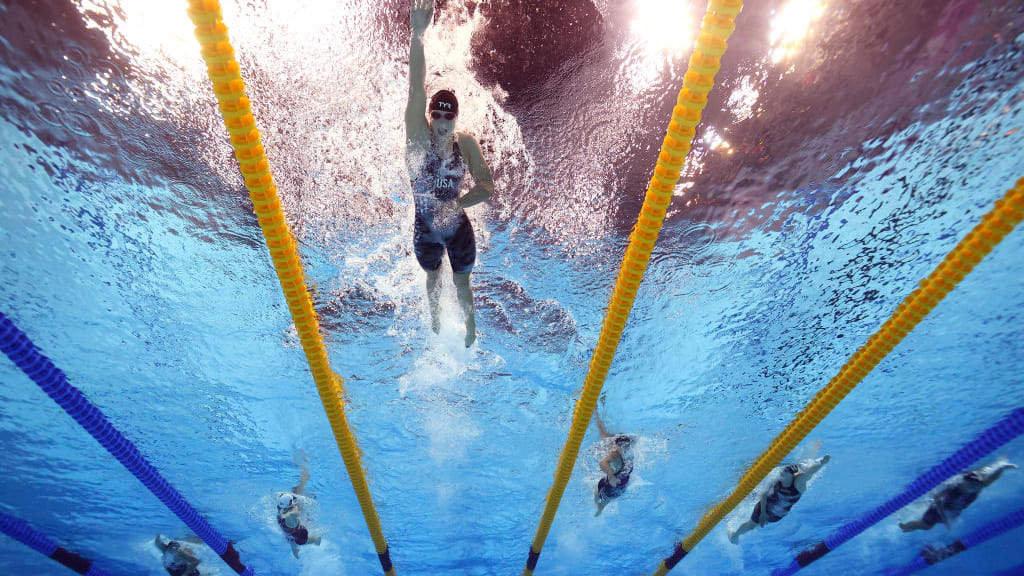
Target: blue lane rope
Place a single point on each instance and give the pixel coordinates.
(935, 555)
(17, 346)
(1015, 571)
(1007, 429)
(19, 530)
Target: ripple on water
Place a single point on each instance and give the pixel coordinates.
(696, 238)
(109, 71)
(82, 125)
(50, 113)
(55, 87)
(75, 64)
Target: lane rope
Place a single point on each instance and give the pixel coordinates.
(979, 242)
(229, 88)
(1007, 429)
(19, 530)
(20, 349)
(931, 556)
(718, 24)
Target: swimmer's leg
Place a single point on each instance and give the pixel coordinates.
(747, 526)
(597, 500)
(295, 549)
(466, 301)
(915, 525)
(434, 298)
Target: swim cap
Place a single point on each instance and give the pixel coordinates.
(444, 101)
(286, 500)
(623, 440)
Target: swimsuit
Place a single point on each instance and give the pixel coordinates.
(605, 491)
(177, 567)
(299, 534)
(778, 502)
(954, 500)
(440, 223)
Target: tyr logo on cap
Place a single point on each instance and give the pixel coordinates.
(444, 100)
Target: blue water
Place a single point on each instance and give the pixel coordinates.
(130, 255)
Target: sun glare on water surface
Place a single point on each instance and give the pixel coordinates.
(664, 25)
(791, 25)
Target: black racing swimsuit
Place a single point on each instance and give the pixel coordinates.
(605, 491)
(299, 534)
(778, 502)
(955, 499)
(440, 223)
(177, 567)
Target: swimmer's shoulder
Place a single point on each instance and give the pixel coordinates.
(467, 140)
(470, 149)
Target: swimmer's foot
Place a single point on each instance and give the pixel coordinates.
(734, 538)
(470, 331)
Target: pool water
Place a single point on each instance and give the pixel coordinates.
(846, 148)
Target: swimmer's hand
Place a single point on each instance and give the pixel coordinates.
(420, 15)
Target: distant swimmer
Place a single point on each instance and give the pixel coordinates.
(776, 502)
(954, 498)
(617, 466)
(289, 512)
(437, 158)
(178, 558)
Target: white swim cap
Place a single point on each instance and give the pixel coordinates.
(286, 500)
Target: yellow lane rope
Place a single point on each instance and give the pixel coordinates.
(994, 226)
(229, 88)
(717, 26)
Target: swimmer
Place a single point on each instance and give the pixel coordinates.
(776, 502)
(617, 466)
(178, 559)
(952, 500)
(437, 157)
(289, 511)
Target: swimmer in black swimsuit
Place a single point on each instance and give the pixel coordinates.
(289, 511)
(954, 498)
(776, 502)
(437, 158)
(178, 559)
(617, 467)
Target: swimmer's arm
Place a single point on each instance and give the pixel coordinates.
(303, 478)
(159, 544)
(763, 519)
(941, 507)
(805, 474)
(600, 426)
(939, 504)
(421, 13)
(483, 181)
(996, 474)
(606, 466)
